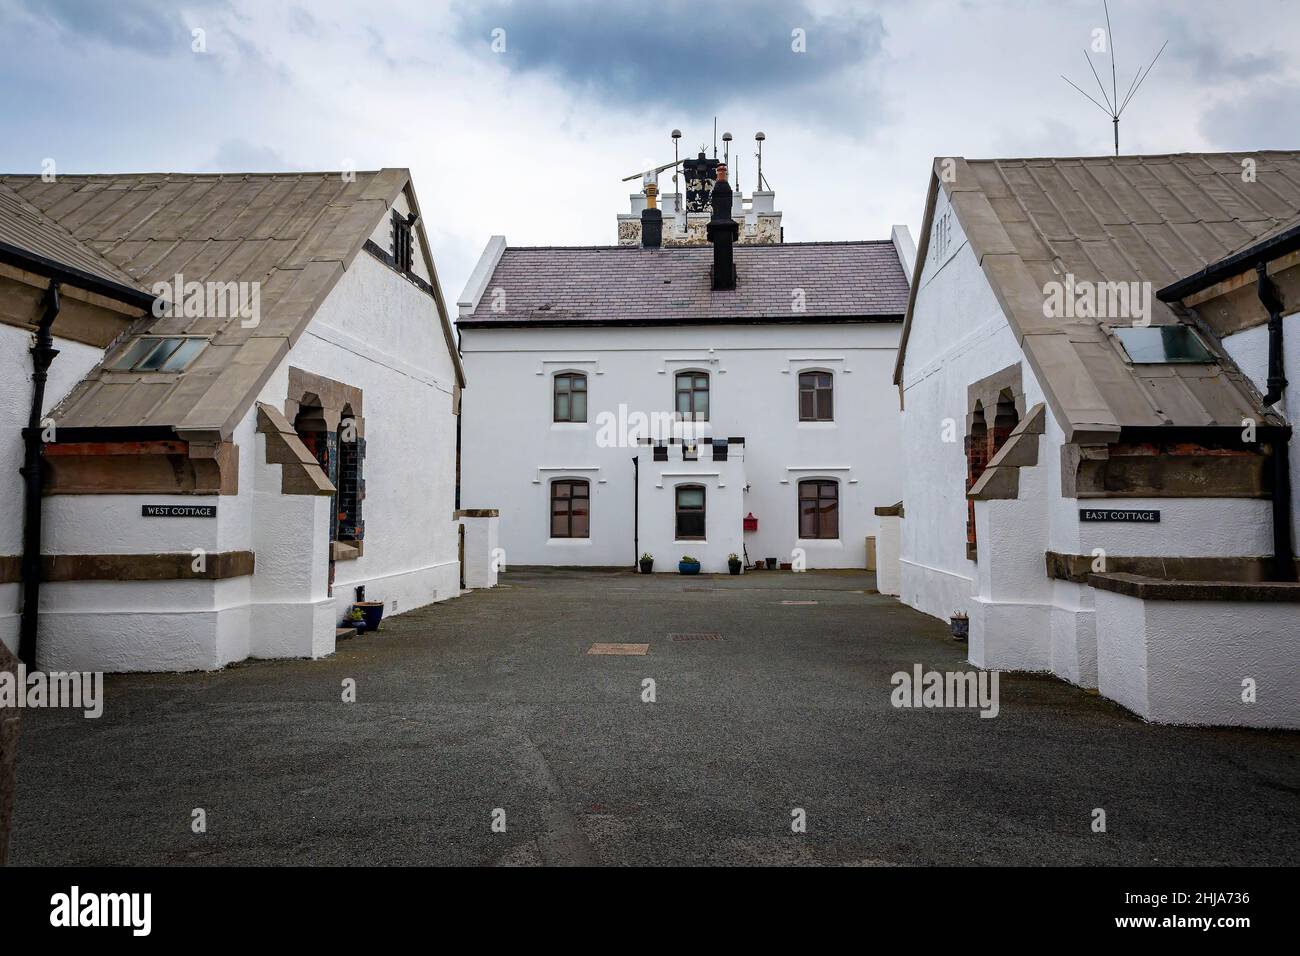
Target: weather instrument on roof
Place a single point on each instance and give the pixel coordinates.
(1115, 106)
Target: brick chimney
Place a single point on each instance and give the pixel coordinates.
(652, 220)
(722, 232)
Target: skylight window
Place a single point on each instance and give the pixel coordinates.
(154, 353)
(1163, 345)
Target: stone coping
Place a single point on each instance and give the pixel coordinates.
(1156, 589)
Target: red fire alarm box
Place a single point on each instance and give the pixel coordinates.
(751, 523)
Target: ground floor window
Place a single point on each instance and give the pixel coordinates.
(570, 509)
(690, 512)
(819, 509)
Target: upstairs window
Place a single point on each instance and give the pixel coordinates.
(693, 396)
(570, 397)
(153, 353)
(690, 513)
(816, 395)
(403, 247)
(819, 509)
(570, 509)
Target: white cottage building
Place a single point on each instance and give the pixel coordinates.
(251, 415)
(666, 394)
(1093, 470)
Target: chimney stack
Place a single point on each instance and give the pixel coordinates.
(722, 232)
(652, 220)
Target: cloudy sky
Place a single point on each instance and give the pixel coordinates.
(530, 136)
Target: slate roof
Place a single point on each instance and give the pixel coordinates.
(26, 228)
(294, 233)
(1144, 218)
(577, 285)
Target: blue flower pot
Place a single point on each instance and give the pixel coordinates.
(688, 567)
(373, 612)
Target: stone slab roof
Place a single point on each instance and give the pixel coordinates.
(295, 233)
(611, 285)
(1129, 218)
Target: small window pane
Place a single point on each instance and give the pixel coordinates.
(182, 357)
(690, 498)
(155, 359)
(561, 408)
(579, 402)
(1162, 344)
(684, 403)
(138, 350)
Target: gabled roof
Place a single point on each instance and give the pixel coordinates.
(294, 233)
(622, 285)
(1128, 218)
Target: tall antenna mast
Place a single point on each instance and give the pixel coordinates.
(1115, 106)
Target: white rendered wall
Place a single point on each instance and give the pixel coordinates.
(379, 333)
(1184, 662)
(724, 491)
(512, 449)
(481, 556)
(69, 367)
(888, 569)
(1249, 349)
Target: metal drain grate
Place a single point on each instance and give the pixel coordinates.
(705, 636)
(624, 649)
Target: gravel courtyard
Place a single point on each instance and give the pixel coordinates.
(492, 702)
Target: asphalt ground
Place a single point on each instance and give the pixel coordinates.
(489, 708)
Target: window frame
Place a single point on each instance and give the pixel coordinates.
(572, 378)
(817, 498)
(180, 342)
(572, 484)
(692, 391)
(403, 243)
(690, 511)
(817, 392)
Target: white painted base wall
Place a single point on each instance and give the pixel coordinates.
(889, 573)
(1183, 662)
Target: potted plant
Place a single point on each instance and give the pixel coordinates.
(771, 564)
(647, 563)
(372, 612)
(960, 626)
(688, 565)
(733, 563)
(356, 619)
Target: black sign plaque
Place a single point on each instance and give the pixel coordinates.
(1119, 514)
(178, 511)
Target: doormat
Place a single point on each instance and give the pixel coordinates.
(709, 636)
(626, 649)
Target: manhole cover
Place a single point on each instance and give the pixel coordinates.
(633, 649)
(710, 636)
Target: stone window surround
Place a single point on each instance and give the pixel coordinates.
(983, 395)
(331, 397)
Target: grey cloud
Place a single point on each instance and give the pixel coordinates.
(241, 156)
(1210, 60)
(1266, 118)
(697, 54)
(154, 27)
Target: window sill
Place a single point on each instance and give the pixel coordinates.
(568, 542)
(346, 550)
(570, 426)
(819, 542)
(817, 425)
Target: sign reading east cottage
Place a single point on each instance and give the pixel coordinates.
(178, 511)
(1119, 514)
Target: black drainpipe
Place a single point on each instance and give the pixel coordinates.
(636, 511)
(1283, 552)
(43, 353)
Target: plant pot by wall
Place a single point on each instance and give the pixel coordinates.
(771, 564)
(733, 567)
(372, 612)
(647, 566)
(960, 628)
(688, 567)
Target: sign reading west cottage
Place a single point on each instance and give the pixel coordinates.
(178, 511)
(1119, 514)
